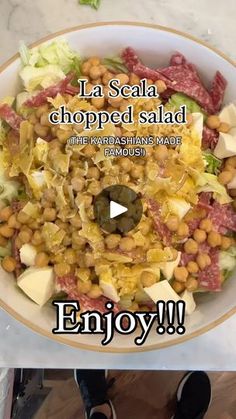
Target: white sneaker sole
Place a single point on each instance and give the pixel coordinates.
(112, 411)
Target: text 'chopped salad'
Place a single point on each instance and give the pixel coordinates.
(49, 238)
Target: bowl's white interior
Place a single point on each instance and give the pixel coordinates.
(155, 46)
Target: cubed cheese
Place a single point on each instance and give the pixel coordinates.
(197, 124)
(27, 254)
(38, 284)
(228, 114)
(167, 268)
(178, 206)
(109, 291)
(162, 291)
(190, 306)
(226, 146)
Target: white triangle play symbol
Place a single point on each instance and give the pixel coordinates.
(116, 209)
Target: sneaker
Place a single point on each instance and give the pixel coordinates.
(193, 396)
(93, 389)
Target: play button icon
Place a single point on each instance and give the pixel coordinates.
(118, 209)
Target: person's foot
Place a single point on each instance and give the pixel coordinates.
(93, 389)
(193, 396)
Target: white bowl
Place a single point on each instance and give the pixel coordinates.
(155, 44)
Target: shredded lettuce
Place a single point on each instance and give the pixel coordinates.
(227, 262)
(115, 64)
(93, 3)
(47, 64)
(206, 182)
(179, 99)
(212, 163)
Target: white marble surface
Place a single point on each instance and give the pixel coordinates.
(210, 20)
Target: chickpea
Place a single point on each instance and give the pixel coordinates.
(192, 267)
(62, 269)
(161, 86)
(172, 223)
(112, 241)
(137, 171)
(123, 78)
(37, 238)
(199, 235)
(41, 110)
(150, 82)
(94, 60)
(76, 221)
(70, 256)
(226, 242)
(134, 79)
(33, 119)
(203, 260)
(13, 223)
(225, 177)
(49, 195)
(127, 244)
(115, 101)
(49, 214)
(98, 102)
(161, 153)
(224, 127)
(23, 218)
(232, 193)
(230, 162)
(41, 130)
(191, 247)
(3, 241)
(6, 231)
(25, 236)
(108, 181)
(206, 225)
(148, 278)
(178, 286)
(214, 239)
(125, 164)
(77, 240)
(213, 122)
(94, 187)
(89, 260)
(5, 213)
(41, 260)
(89, 150)
(85, 199)
(180, 274)
(96, 71)
(85, 68)
(8, 264)
(107, 77)
(95, 291)
(63, 136)
(77, 184)
(84, 287)
(183, 230)
(144, 227)
(93, 173)
(191, 284)
(44, 121)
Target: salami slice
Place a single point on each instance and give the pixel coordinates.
(184, 79)
(180, 59)
(223, 217)
(209, 138)
(147, 73)
(205, 201)
(10, 116)
(186, 258)
(210, 277)
(217, 92)
(130, 58)
(161, 229)
(67, 283)
(51, 91)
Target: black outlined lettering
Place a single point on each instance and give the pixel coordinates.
(146, 321)
(62, 317)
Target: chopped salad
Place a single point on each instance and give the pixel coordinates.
(184, 243)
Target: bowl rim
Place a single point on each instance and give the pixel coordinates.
(100, 348)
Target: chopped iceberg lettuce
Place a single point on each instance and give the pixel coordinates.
(178, 99)
(212, 164)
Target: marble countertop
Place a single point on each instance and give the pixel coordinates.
(214, 22)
